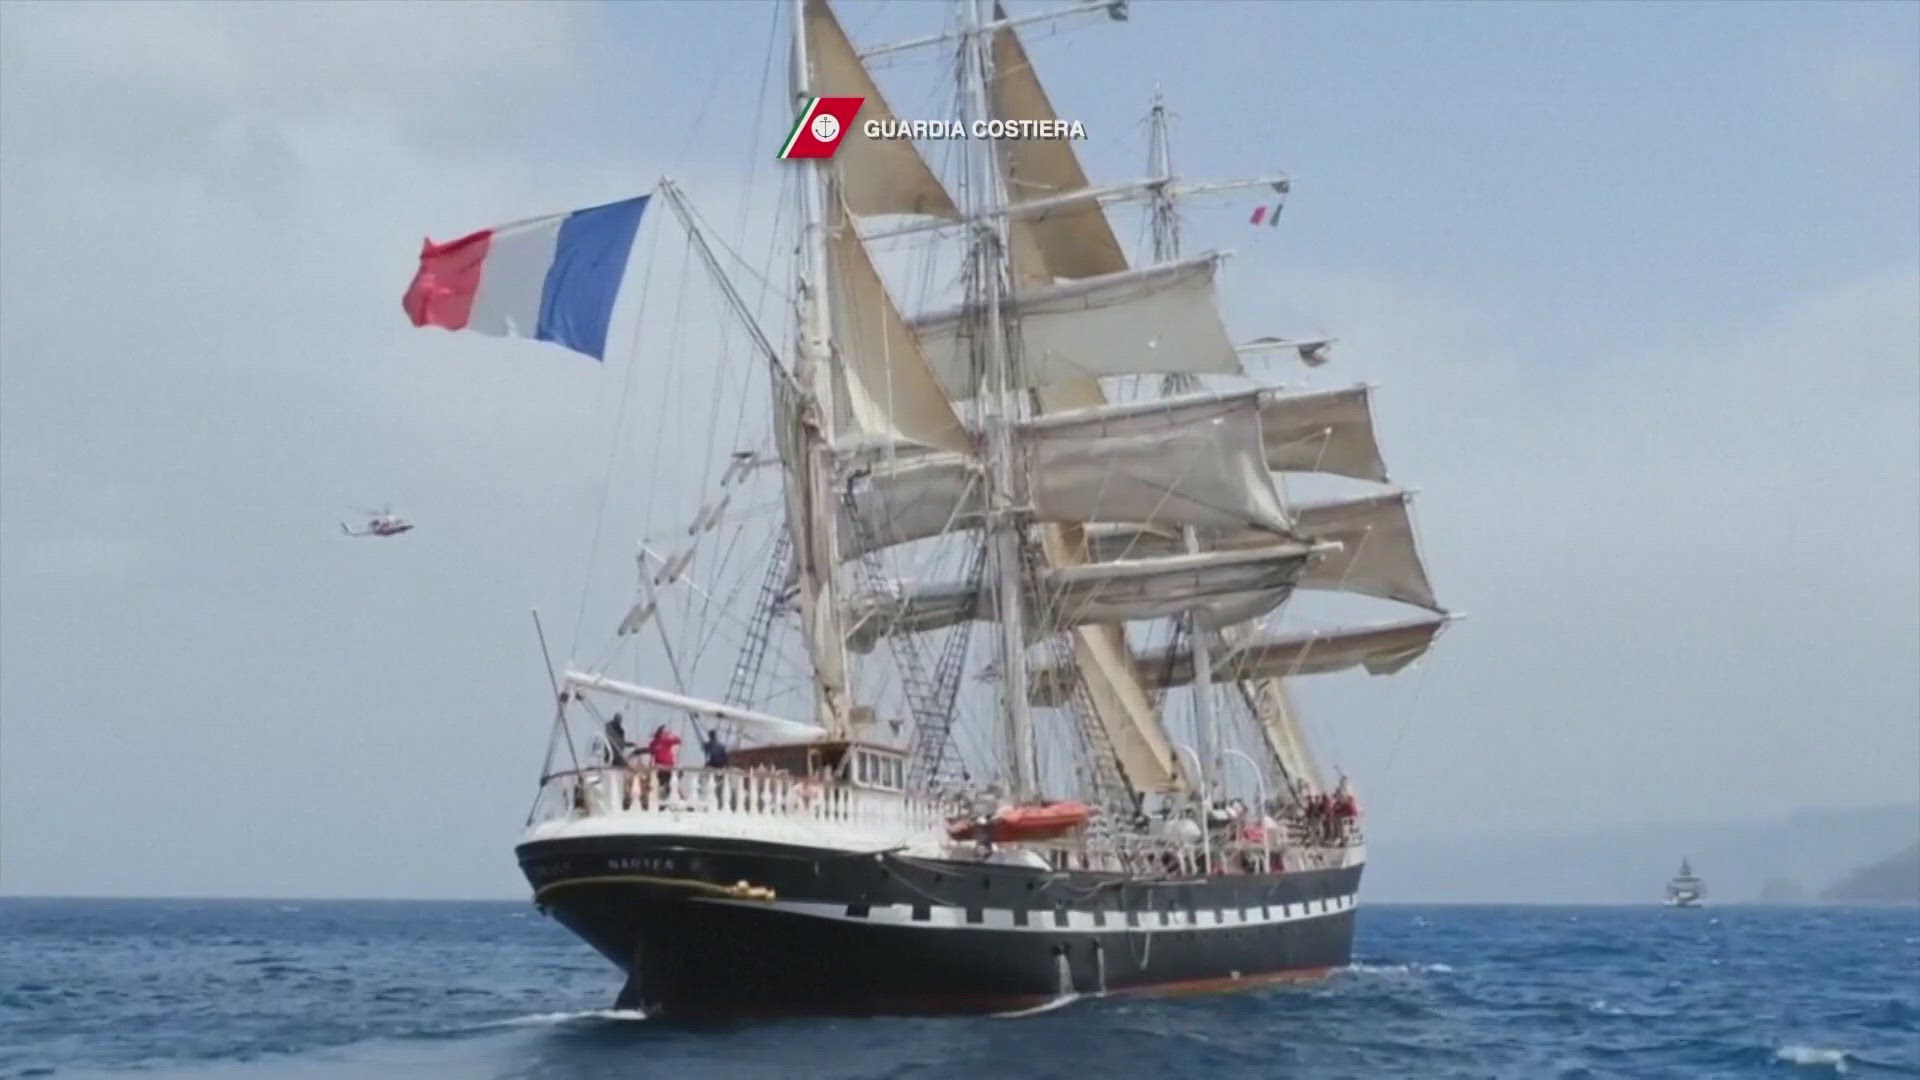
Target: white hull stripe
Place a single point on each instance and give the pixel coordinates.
(1046, 920)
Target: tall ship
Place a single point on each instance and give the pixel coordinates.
(1685, 889)
(1004, 712)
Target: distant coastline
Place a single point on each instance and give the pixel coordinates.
(1893, 880)
(1791, 858)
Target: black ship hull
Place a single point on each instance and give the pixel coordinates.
(712, 927)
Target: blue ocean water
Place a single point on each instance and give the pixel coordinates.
(311, 989)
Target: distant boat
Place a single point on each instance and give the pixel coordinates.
(1686, 890)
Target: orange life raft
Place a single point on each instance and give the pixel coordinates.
(1034, 821)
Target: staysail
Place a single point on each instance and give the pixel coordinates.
(1074, 240)
(890, 392)
(877, 176)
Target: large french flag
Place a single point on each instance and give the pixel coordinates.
(551, 279)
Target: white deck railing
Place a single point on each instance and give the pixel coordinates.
(742, 795)
(756, 793)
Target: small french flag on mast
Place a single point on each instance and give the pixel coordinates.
(552, 278)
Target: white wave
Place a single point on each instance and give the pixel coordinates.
(549, 1019)
(1400, 969)
(1043, 1007)
(1797, 1054)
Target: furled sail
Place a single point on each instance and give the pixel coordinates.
(1377, 555)
(1381, 650)
(814, 557)
(889, 390)
(876, 176)
(1191, 460)
(1327, 431)
(1159, 319)
(1236, 585)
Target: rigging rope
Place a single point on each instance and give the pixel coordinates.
(613, 451)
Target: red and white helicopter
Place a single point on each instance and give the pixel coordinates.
(380, 522)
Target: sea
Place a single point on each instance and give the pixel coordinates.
(303, 990)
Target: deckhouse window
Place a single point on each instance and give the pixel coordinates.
(878, 770)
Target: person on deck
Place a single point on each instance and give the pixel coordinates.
(619, 750)
(1317, 817)
(663, 747)
(716, 750)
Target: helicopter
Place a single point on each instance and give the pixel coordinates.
(380, 522)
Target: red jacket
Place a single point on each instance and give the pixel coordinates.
(662, 748)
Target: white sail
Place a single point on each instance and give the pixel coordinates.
(1075, 240)
(1189, 460)
(1159, 319)
(1328, 431)
(876, 176)
(1193, 460)
(1381, 650)
(1239, 584)
(1377, 554)
(889, 390)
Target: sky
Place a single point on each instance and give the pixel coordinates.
(1640, 285)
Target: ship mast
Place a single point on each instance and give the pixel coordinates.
(1166, 248)
(1002, 388)
(1166, 223)
(816, 540)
